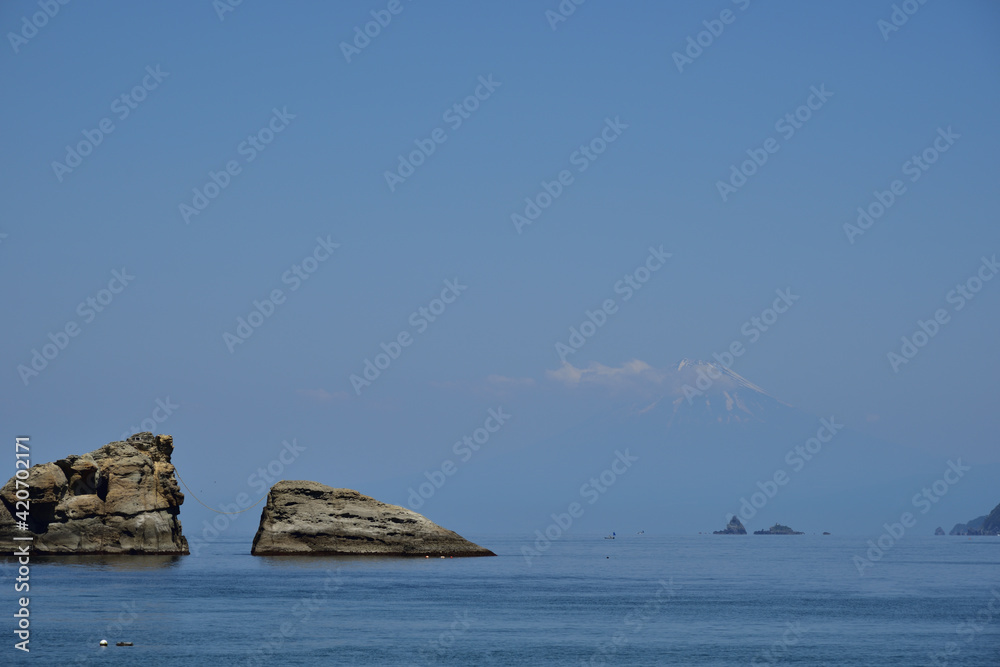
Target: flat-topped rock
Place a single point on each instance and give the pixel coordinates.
(122, 498)
(777, 529)
(309, 518)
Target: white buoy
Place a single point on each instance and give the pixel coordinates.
(104, 642)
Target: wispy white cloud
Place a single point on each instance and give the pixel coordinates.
(634, 374)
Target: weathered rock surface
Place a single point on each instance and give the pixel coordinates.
(734, 527)
(120, 499)
(311, 518)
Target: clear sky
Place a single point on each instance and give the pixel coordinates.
(641, 139)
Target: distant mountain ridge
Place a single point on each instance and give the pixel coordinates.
(982, 525)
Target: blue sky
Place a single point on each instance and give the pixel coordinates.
(344, 124)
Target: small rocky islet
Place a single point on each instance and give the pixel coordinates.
(735, 527)
(778, 529)
(303, 517)
(121, 498)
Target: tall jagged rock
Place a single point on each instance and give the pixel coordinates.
(122, 498)
(311, 518)
(734, 527)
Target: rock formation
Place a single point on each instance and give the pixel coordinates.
(734, 527)
(939, 531)
(311, 518)
(988, 524)
(120, 499)
(777, 529)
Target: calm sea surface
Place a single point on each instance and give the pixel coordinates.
(637, 600)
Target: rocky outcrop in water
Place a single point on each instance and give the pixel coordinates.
(777, 529)
(939, 531)
(734, 527)
(308, 518)
(122, 498)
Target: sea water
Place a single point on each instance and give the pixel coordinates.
(584, 600)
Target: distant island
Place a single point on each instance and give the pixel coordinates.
(734, 527)
(777, 529)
